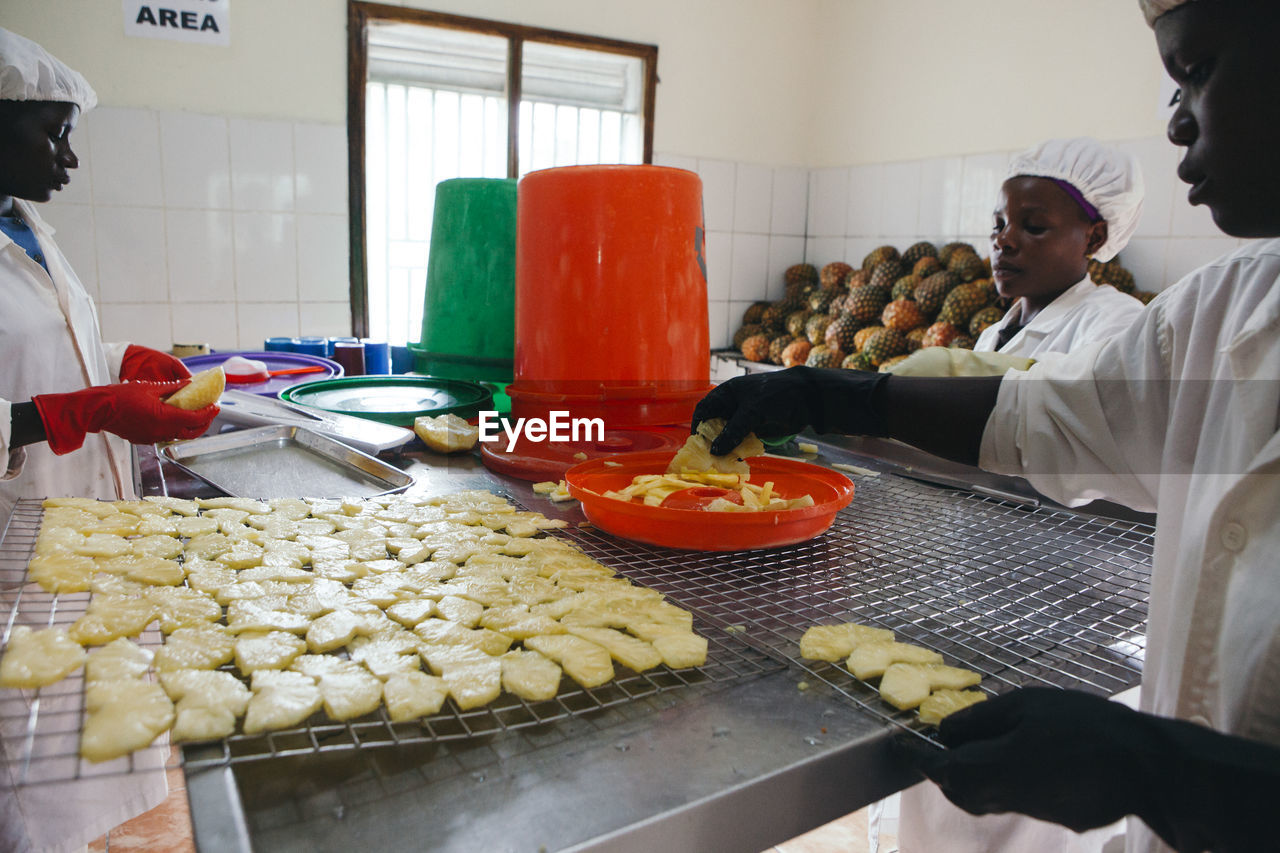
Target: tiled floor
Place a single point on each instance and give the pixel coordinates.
(164, 829)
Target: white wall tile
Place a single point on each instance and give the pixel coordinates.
(828, 202)
(201, 256)
(320, 162)
(983, 175)
(196, 155)
(323, 258)
(717, 193)
(783, 252)
(126, 157)
(790, 201)
(259, 321)
(212, 323)
(857, 248)
(266, 257)
(750, 270)
(325, 318)
(718, 325)
(262, 166)
(1188, 253)
(719, 264)
(939, 210)
(77, 238)
(1158, 160)
(820, 251)
(1146, 258)
(676, 161)
(866, 196)
(752, 198)
(900, 202)
(736, 310)
(146, 324)
(131, 255)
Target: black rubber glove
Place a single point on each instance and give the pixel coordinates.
(783, 402)
(1082, 761)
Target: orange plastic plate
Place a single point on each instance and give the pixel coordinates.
(702, 530)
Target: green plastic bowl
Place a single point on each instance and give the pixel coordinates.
(393, 399)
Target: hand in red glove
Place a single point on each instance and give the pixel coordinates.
(135, 411)
(151, 364)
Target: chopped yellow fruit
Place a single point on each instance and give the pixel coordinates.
(837, 642)
(411, 695)
(36, 658)
(446, 433)
(123, 716)
(944, 702)
(870, 660)
(530, 675)
(204, 390)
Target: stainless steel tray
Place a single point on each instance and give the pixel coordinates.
(285, 462)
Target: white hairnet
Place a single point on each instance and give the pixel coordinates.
(28, 72)
(1106, 177)
(1153, 9)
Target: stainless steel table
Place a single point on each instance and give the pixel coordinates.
(991, 576)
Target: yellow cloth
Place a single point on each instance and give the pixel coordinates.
(954, 361)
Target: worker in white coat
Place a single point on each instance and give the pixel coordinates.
(64, 397)
(1176, 414)
(1064, 201)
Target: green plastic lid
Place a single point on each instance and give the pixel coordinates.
(393, 399)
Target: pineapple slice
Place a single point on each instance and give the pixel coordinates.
(584, 661)
(440, 632)
(263, 650)
(119, 659)
(446, 433)
(530, 675)
(347, 689)
(196, 647)
(36, 658)
(473, 677)
(123, 716)
(58, 572)
(837, 642)
(696, 453)
(207, 703)
(633, 653)
(679, 649)
(870, 660)
(281, 698)
(943, 702)
(906, 685)
(204, 390)
(111, 616)
(411, 695)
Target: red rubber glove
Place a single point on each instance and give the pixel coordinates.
(152, 365)
(135, 411)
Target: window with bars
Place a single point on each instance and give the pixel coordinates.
(435, 97)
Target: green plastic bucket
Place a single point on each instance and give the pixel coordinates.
(468, 316)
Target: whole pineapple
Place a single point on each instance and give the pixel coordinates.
(756, 348)
(837, 305)
(755, 311)
(834, 273)
(841, 333)
(801, 274)
(961, 304)
(926, 267)
(815, 328)
(879, 255)
(824, 356)
(916, 251)
(883, 275)
(914, 338)
(967, 266)
(944, 254)
(745, 332)
(777, 345)
(962, 342)
(986, 317)
(939, 335)
(795, 322)
(905, 288)
(866, 303)
(903, 315)
(933, 291)
(856, 361)
(857, 278)
(1144, 296)
(863, 335)
(774, 318)
(884, 345)
(796, 353)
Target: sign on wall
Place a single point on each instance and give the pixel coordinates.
(196, 21)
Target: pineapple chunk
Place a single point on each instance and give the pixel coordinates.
(906, 685)
(265, 650)
(347, 689)
(837, 642)
(635, 654)
(696, 453)
(530, 675)
(58, 572)
(204, 390)
(446, 433)
(411, 695)
(870, 660)
(119, 659)
(944, 702)
(585, 662)
(207, 703)
(37, 658)
(281, 698)
(123, 716)
(196, 647)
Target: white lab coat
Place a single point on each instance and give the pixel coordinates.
(1083, 313)
(1179, 415)
(50, 342)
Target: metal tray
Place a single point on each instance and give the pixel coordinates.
(285, 462)
(253, 410)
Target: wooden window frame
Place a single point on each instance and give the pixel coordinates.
(359, 14)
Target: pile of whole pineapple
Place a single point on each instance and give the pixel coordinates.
(873, 317)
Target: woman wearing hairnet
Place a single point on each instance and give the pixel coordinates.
(60, 414)
(57, 406)
(1175, 414)
(1065, 201)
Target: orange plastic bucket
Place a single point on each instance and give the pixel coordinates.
(611, 295)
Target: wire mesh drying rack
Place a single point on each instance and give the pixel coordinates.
(1024, 594)
(41, 727)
